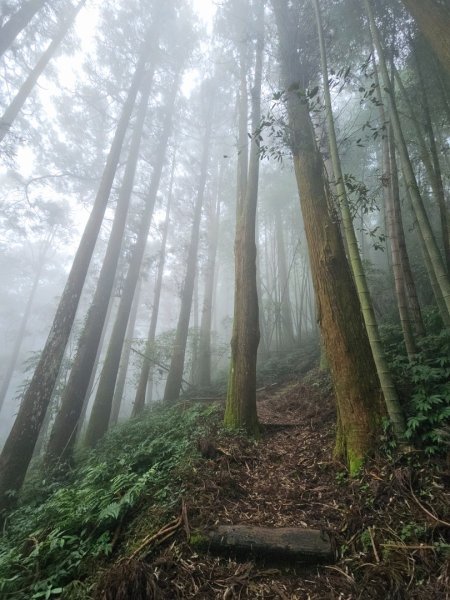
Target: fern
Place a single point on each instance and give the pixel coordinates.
(48, 543)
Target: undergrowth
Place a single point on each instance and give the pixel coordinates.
(424, 387)
(61, 529)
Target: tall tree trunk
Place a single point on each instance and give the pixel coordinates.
(240, 409)
(18, 21)
(11, 366)
(125, 358)
(193, 378)
(433, 19)
(8, 117)
(339, 313)
(387, 384)
(19, 446)
(63, 434)
(408, 172)
(101, 410)
(175, 375)
(263, 347)
(82, 420)
(147, 367)
(242, 163)
(287, 327)
(204, 350)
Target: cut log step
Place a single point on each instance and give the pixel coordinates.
(284, 543)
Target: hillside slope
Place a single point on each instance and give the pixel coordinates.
(127, 522)
(389, 543)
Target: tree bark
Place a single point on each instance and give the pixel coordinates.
(433, 19)
(240, 408)
(204, 349)
(101, 410)
(263, 346)
(82, 420)
(147, 367)
(339, 313)
(17, 22)
(387, 384)
(19, 446)
(288, 339)
(8, 117)
(125, 358)
(64, 429)
(175, 375)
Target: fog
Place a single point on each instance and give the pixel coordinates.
(126, 148)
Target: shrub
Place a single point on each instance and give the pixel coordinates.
(424, 386)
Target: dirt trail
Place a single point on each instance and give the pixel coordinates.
(288, 478)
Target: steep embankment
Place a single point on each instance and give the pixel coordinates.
(390, 541)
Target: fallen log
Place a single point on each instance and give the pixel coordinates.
(284, 543)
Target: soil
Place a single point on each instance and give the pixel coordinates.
(390, 524)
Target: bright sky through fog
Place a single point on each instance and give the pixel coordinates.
(206, 10)
(69, 68)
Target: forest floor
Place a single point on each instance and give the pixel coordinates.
(388, 524)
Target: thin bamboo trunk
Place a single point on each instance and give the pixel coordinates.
(391, 197)
(410, 286)
(408, 172)
(387, 384)
(440, 192)
(400, 288)
(430, 161)
(339, 314)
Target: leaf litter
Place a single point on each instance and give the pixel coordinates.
(389, 524)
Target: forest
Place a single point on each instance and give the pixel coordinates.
(225, 299)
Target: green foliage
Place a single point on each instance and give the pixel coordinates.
(424, 384)
(51, 539)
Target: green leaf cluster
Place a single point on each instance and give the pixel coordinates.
(424, 384)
